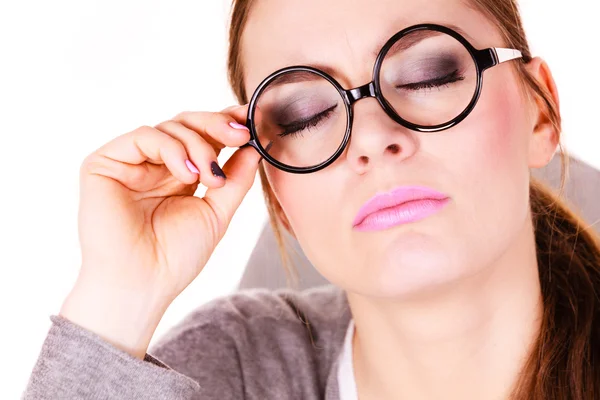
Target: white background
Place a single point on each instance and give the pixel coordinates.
(75, 74)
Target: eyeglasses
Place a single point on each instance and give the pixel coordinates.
(426, 77)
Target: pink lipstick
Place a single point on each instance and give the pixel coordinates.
(403, 205)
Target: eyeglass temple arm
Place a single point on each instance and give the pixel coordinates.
(492, 56)
(503, 54)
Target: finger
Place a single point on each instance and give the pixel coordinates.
(240, 170)
(202, 154)
(237, 112)
(218, 129)
(240, 113)
(147, 144)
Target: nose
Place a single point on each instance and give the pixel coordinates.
(376, 139)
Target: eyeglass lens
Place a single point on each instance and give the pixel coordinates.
(427, 77)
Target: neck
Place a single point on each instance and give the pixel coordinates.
(467, 341)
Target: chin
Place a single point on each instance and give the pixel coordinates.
(413, 266)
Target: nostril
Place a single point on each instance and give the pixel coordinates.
(364, 160)
(393, 148)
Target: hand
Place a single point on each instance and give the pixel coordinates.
(144, 235)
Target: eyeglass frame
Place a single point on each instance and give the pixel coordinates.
(483, 60)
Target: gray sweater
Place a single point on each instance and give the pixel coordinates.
(255, 344)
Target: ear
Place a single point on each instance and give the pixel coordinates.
(545, 136)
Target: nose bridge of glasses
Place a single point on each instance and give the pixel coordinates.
(367, 90)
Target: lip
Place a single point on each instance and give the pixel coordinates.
(403, 205)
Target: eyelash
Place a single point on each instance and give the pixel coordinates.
(433, 83)
(298, 126)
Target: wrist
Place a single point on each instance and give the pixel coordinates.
(124, 317)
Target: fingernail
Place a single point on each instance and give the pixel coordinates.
(217, 171)
(191, 167)
(235, 125)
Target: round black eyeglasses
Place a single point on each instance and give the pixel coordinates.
(426, 77)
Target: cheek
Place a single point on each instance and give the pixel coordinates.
(489, 147)
(492, 169)
(316, 207)
(499, 141)
(307, 201)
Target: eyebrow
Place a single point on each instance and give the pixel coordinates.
(297, 77)
(301, 76)
(308, 76)
(375, 51)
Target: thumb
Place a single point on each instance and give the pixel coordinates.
(240, 170)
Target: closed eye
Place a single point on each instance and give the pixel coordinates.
(452, 77)
(305, 123)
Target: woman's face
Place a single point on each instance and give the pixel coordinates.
(481, 165)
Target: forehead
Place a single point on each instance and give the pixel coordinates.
(343, 34)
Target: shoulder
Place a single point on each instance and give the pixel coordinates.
(322, 307)
(260, 330)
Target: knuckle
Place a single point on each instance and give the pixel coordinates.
(166, 125)
(143, 130)
(136, 175)
(223, 118)
(184, 115)
(194, 119)
(145, 133)
(90, 164)
(230, 108)
(175, 145)
(181, 114)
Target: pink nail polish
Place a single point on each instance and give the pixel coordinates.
(191, 167)
(235, 125)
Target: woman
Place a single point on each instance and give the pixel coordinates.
(455, 275)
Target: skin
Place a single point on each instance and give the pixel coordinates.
(445, 307)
